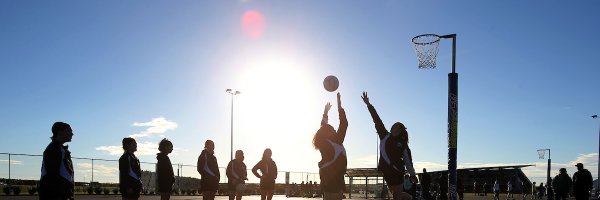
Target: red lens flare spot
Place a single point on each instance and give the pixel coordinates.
(253, 24)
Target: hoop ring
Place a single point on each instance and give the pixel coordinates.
(436, 39)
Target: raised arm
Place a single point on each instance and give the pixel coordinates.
(341, 133)
(378, 123)
(325, 118)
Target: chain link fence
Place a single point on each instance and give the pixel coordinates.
(101, 176)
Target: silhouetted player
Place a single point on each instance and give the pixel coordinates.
(236, 176)
(130, 174)
(57, 180)
(208, 168)
(395, 158)
(268, 174)
(332, 166)
(164, 170)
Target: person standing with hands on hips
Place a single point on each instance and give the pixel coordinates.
(268, 174)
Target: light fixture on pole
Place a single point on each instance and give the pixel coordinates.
(426, 47)
(233, 93)
(598, 183)
(541, 153)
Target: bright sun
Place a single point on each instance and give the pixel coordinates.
(279, 107)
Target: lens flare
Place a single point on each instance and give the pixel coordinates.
(253, 24)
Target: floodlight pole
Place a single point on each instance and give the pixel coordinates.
(452, 122)
(233, 93)
(598, 184)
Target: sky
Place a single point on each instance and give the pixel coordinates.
(528, 80)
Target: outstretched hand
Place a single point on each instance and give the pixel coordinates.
(365, 98)
(339, 101)
(327, 107)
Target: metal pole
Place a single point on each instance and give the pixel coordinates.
(598, 183)
(548, 172)
(452, 123)
(92, 173)
(231, 146)
(9, 161)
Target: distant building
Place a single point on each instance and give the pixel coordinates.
(468, 175)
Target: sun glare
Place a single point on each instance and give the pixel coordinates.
(279, 108)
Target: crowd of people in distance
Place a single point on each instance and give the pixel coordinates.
(395, 162)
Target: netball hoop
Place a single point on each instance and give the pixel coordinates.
(426, 47)
(541, 153)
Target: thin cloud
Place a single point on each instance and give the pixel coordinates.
(99, 169)
(12, 162)
(155, 126)
(143, 148)
(590, 160)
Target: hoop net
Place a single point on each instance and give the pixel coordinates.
(541, 153)
(426, 47)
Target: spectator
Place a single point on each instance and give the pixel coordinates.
(425, 183)
(562, 184)
(582, 183)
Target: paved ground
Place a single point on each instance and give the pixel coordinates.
(117, 197)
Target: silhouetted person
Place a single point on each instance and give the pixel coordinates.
(460, 188)
(57, 181)
(164, 170)
(562, 184)
(330, 144)
(582, 183)
(268, 174)
(541, 191)
(524, 190)
(484, 188)
(208, 168)
(130, 173)
(496, 190)
(396, 157)
(236, 176)
(509, 190)
(475, 188)
(425, 184)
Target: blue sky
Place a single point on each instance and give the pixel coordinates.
(527, 78)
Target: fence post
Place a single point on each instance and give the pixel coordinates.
(9, 161)
(92, 173)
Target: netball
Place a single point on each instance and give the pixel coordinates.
(331, 83)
